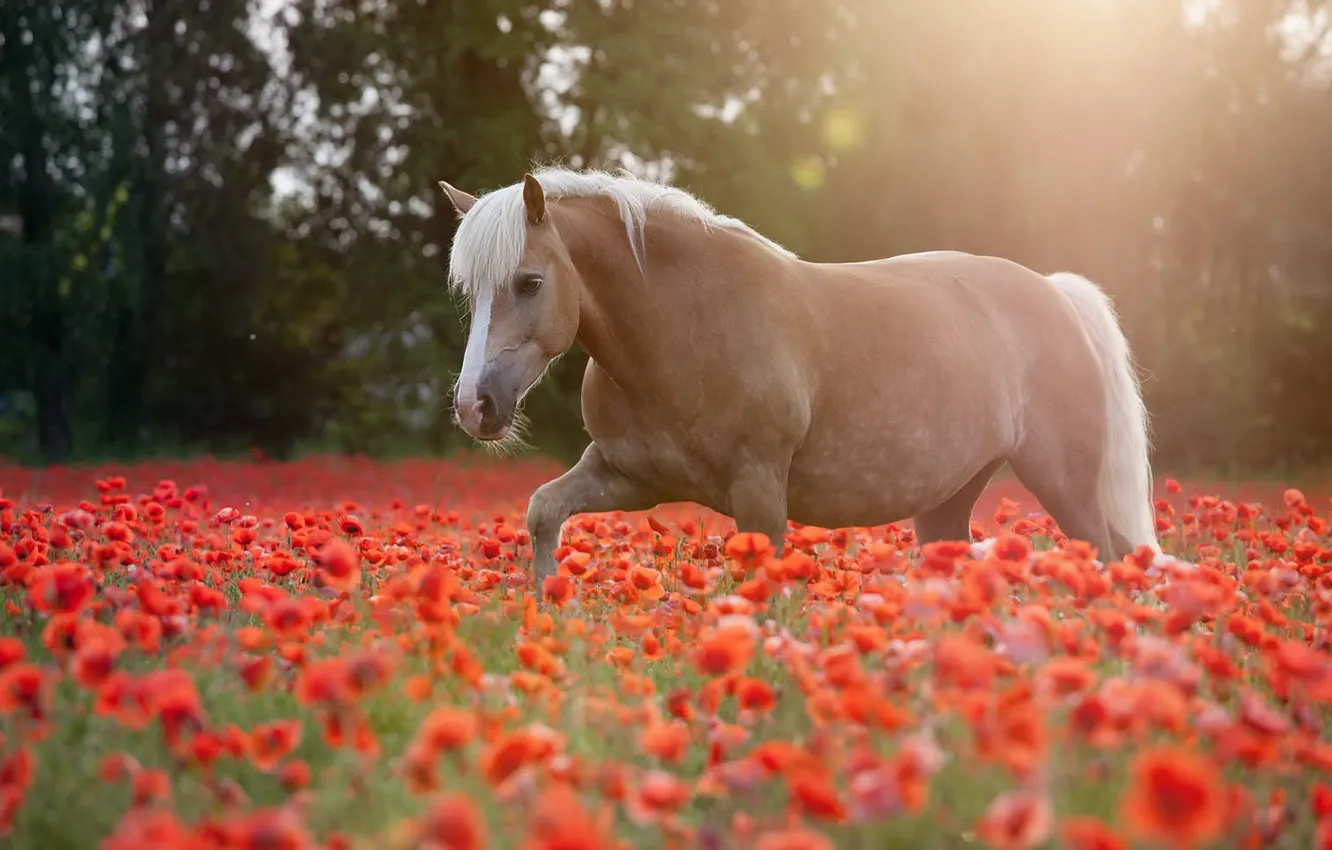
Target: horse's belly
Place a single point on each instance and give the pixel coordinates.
(860, 494)
(846, 476)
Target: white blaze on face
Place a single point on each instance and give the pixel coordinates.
(474, 358)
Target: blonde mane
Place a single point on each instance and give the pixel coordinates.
(489, 244)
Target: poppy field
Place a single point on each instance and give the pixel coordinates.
(340, 653)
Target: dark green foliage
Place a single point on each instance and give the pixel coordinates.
(155, 293)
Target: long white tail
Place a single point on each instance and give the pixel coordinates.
(1124, 486)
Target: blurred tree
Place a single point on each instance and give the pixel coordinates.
(144, 138)
(206, 107)
(41, 145)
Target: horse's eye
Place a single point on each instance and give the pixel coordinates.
(528, 284)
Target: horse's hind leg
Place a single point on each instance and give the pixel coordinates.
(1060, 466)
(757, 501)
(952, 519)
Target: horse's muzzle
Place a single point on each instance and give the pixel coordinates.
(489, 415)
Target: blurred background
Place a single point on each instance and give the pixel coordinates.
(220, 229)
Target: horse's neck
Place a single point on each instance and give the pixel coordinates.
(623, 305)
(614, 316)
(634, 320)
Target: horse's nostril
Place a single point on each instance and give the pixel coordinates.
(485, 405)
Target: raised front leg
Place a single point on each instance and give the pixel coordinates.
(591, 486)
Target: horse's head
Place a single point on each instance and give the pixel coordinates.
(523, 295)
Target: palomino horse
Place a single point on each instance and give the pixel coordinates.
(727, 372)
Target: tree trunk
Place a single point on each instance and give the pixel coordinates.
(134, 340)
(53, 434)
(38, 269)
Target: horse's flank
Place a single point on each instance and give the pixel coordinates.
(490, 242)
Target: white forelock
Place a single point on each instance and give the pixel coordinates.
(489, 244)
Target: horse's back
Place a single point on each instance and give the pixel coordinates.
(972, 313)
(940, 273)
(976, 301)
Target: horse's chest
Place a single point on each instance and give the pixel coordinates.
(654, 447)
(663, 464)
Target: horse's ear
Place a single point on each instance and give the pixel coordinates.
(534, 198)
(462, 202)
